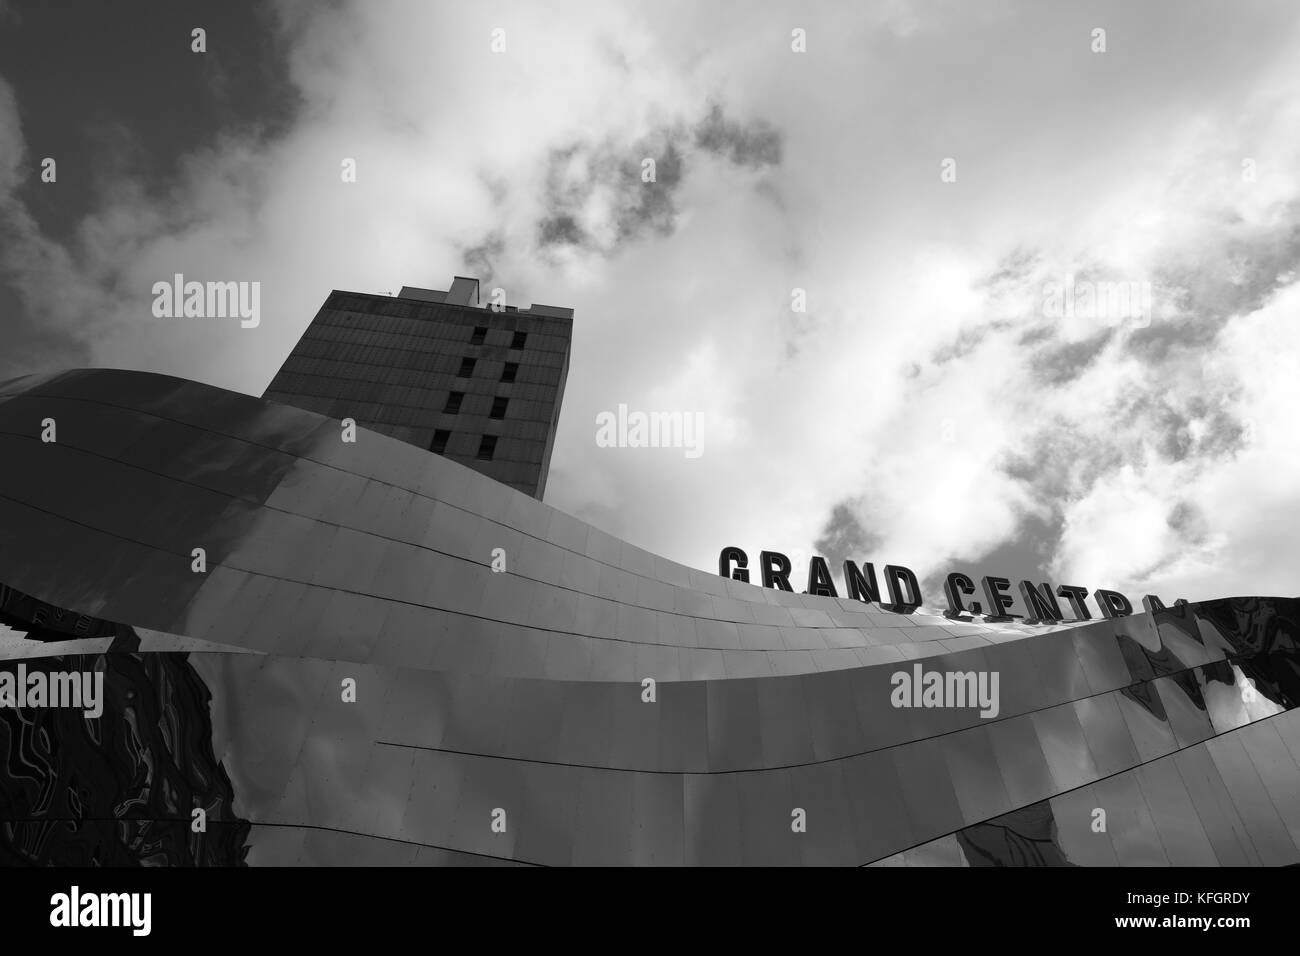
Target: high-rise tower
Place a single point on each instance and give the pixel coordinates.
(480, 385)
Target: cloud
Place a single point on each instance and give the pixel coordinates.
(601, 196)
(12, 148)
(44, 311)
(1058, 364)
(756, 145)
(844, 537)
(478, 259)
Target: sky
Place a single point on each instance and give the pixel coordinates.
(866, 260)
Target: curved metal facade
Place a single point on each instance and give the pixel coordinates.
(502, 716)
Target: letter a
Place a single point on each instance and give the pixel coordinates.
(59, 915)
(902, 693)
(606, 430)
(162, 303)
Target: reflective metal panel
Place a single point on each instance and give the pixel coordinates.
(1181, 833)
(397, 660)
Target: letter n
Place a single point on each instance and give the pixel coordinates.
(861, 588)
(1041, 602)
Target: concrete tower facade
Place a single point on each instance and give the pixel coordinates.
(480, 385)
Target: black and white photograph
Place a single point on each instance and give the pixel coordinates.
(514, 434)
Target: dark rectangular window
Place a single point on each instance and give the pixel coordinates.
(518, 341)
(480, 332)
(510, 371)
(498, 407)
(487, 447)
(466, 368)
(453, 403)
(440, 441)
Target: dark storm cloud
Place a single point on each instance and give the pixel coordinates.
(754, 144)
(843, 537)
(1161, 341)
(1173, 428)
(1188, 521)
(641, 207)
(120, 156)
(113, 93)
(1233, 278)
(1025, 555)
(1012, 270)
(1057, 461)
(655, 212)
(36, 338)
(967, 341)
(1224, 435)
(1039, 333)
(1175, 438)
(85, 74)
(478, 260)
(1059, 364)
(32, 346)
(561, 230)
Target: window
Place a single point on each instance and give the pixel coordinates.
(510, 371)
(498, 407)
(466, 368)
(480, 332)
(440, 441)
(487, 447)
(453, 403)
(519, 339)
